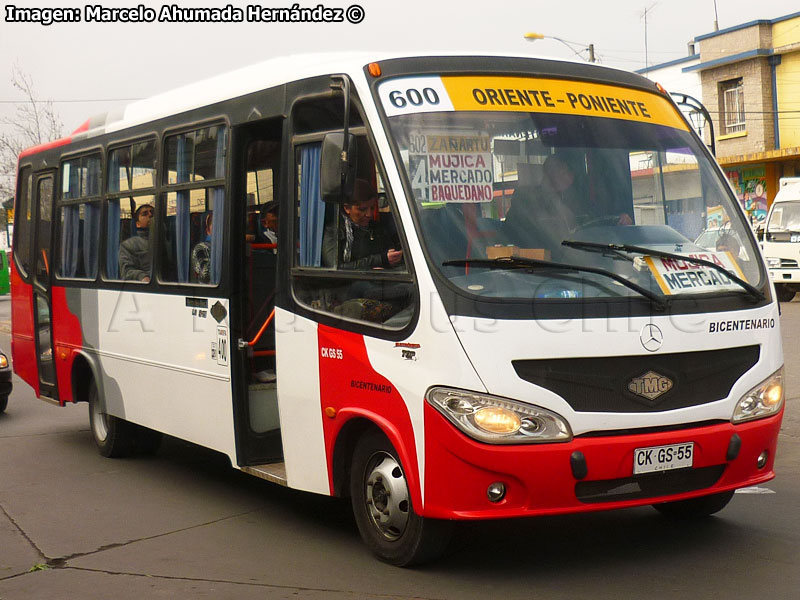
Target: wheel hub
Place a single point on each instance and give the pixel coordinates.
(99, 423)
(387, 496)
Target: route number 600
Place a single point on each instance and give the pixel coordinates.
(413, 97)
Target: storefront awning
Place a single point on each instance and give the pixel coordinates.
(760, 157)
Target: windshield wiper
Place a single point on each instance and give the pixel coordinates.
(527, 263)
(752, 291)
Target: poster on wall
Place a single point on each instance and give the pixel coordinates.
(751, 189)
(716, 217)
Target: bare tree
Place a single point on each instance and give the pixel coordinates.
(35, 122)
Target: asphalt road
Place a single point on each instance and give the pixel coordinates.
(185, 524)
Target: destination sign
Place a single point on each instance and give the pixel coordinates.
(410, 95)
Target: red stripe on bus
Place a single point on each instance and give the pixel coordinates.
(354, 389)
(83, 127)
(67, 337)
(23, 346)
(48, 146)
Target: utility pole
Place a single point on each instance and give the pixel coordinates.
(646, 57)
(591, 53)
(646, 61)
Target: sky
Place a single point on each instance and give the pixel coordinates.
(88, 68)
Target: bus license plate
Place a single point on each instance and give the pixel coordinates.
(662, 458)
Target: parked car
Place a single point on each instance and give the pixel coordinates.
(5, 380)
(719, 239)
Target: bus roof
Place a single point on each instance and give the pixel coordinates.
(246, 80)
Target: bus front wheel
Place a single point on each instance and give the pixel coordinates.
(695, 508)
(383, 510)
(114, 437)
(3, 403)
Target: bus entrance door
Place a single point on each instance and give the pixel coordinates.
(256, 157)
(41, 285)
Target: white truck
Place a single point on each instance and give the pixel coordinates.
(781, 244)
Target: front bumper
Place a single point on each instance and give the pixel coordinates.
(539, 479)
(784, 275)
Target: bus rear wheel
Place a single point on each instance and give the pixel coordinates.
(114, 437)
(695, 508)
(383, 509)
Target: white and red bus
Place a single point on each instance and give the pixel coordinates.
(550, 341)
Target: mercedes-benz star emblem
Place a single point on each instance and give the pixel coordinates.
(651, 337)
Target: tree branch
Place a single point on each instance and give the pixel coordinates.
(35, 122)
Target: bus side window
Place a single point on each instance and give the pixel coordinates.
(79, 219)
(23, 217)
(359, 239)
(129, 211)
(45, 200)
(194, 214)
(80, 231)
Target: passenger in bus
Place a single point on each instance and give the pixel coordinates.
(201, 254)
(134, 252)
(363, 243)
(268, 224)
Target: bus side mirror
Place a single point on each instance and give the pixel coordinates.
(338, 167)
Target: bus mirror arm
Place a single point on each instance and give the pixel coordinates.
(339, 155)
(694, 105)
(345, 130)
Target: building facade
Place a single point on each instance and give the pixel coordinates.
(749, 78)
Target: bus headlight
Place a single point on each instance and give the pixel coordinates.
(3, 361)
(762, 401)
(498, 420)
(495, 419)
(773, 263)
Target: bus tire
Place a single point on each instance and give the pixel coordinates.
(383, 511)
(3, 403)
(695, 508)
(114, 437)
(784, 292)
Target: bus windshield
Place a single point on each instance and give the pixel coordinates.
(535, 168)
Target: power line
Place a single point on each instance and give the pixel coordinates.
(624, 51)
